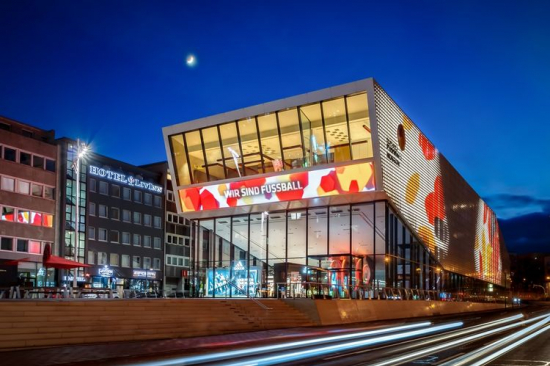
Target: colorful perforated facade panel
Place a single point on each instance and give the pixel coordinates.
(458, 228)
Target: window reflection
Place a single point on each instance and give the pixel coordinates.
(250, 147)
(213, 154)
(317, 231)
(196, 157)
(359, 125)
(339, 238)
(180, 160)
(231, 150)
(336, 127)
(362, 229)
(291, 138)
(296, 232)
(271, 148)
(313, 135)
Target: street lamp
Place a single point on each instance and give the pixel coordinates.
(81, 150)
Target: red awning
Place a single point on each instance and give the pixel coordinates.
(15, 262)
(59, 262)
(52, 261)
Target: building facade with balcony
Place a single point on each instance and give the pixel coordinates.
(334, 191)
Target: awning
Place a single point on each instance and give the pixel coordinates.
(59, 262)
(52, 261)
(15, 262)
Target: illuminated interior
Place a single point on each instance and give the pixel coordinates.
(298, 137)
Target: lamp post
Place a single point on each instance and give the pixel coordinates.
(81, 150)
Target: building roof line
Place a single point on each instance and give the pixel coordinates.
(270, 107)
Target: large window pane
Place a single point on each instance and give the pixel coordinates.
(336, 126)
(258, 247)
(380, 271)
(317, 231)
(271, 147)
(250, 146)
(359, 125)
(362, 229)
(339, 231)
(181, 164)
(380, 228)
(240, 263)
(291, 138)
(276, 269)
(258, 236)
(231, 150)
(196, 157)
(297, 231)
(313, 135)
(213, 152)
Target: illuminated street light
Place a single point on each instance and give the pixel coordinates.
(81, 151)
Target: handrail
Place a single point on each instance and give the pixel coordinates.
(265, 307)
(373, 292)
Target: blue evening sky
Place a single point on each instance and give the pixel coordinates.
(474, 75)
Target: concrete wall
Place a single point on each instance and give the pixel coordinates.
(331, 312)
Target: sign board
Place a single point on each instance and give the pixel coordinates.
(144, 274)
(353, 178)
(124, 179)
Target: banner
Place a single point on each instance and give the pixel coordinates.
(285, 187)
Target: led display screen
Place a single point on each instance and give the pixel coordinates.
(284, 187)
(456, 226)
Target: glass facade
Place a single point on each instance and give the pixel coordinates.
(326, 132)
(328, 228)
(340, 251)
(70, 207)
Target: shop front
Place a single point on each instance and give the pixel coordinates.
(321, 251)
(137, 281)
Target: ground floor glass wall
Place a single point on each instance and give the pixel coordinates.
(325, 250)
(337, 251)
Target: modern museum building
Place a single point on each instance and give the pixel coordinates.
(330, 193)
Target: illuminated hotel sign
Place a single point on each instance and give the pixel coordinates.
(124, 179)
(339, 180)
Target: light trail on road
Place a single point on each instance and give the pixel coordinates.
(430, 350)
(494, 349)
(288, 345)
(454, 334)
(293, 356)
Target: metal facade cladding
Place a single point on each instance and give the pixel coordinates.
(447, 215)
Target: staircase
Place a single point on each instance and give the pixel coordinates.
(38, 323)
